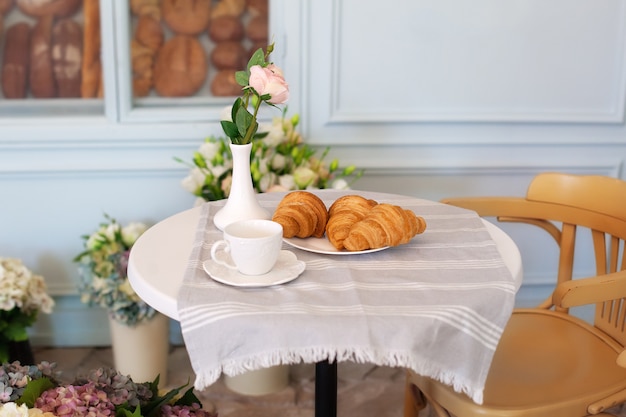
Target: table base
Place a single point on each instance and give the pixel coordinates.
(326, 389)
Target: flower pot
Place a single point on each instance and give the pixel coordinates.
(259, 382)
(242, 203)
(21, 351)
(141, 351)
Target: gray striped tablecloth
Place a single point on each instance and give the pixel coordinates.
(437, 305)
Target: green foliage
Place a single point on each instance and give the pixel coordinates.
(33, 390)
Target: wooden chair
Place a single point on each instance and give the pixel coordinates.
(548, 362)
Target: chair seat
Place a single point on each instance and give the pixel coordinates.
(527, 373)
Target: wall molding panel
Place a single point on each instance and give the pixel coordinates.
(479, 63)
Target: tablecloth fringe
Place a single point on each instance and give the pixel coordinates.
(239, 366)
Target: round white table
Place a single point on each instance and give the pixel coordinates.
(159, 258)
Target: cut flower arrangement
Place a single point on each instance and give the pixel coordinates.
(22, 296)
(36, 390)
(103, 272)
(280, 161)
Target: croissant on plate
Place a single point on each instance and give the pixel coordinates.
(384, 225)
(302, 214)
(343, 214)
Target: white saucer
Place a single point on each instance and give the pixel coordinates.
(287, 268)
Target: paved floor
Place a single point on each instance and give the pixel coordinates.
(363, 390)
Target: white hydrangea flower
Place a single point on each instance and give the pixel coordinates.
(209, 150)
(226, 113)
(304, 176)
(11, 409)
(276, 134)
(193, 182)
(287, 181)
(267, 181)
(279, 162)
(111, 231)
(21, 289)
(340, 184)
(96, 240)
(220, 170)
(99, 283)
(127, 289)
(131, 232)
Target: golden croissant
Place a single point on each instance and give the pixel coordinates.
(343, 214)
(302, 214)
(384, 225)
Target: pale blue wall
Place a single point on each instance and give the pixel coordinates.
(63, 163)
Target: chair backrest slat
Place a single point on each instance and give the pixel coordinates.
(600, 252)
(614, 257)
(566, 256)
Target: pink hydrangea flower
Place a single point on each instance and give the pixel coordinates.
(83, 400)
(185, 411)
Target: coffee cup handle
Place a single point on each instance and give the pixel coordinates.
(214, 250)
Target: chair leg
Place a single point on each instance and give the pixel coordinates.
(437, 409)
(414, 401)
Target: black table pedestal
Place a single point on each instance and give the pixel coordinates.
(326, 389)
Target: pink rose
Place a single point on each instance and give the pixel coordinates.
(269, 81)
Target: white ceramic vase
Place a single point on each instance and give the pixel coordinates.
(242, 203)
(141, 351)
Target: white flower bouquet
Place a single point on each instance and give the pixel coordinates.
(280, 161)
(103, 271)
(22, 296)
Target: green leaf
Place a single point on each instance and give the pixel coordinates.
(235, 108)
(257, 58)
(211, 193)
(17, 330)
(125, 412)
(242, 78)
(349, 170)
(198, 159)
(230, 129)
(243, 119)
(153, 409)
(188, 398)
(261, 135)
(33, 390)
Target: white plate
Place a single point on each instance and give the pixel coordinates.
(323, 245)
(287, 268)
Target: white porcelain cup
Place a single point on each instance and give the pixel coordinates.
(249, 246)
